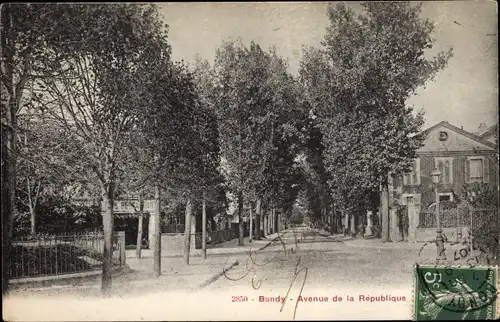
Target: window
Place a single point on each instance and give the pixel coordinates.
(408, 199)
(476, 169)
(445, 166)
(413, 177)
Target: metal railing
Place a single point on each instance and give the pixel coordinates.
(61, 254)
(472, 218)
(449, 219)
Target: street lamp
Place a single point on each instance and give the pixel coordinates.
(439, 233)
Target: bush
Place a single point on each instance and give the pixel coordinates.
(485, 232)
(56, 215)
(480, 195)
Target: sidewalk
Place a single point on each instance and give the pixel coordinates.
(175, 274)
(231, 246)
(455, 253)
(371, 242)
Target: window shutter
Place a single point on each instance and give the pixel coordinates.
(437, 165)
(440, 166)
(451, 170)
(486, 170)
(447, 171)
(405, 179)
(467, 170)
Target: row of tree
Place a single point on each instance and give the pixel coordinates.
(93, 99)
(357, 84)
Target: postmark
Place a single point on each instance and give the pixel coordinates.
(444, 292)
(458, 253)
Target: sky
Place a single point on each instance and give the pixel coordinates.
(465, 93)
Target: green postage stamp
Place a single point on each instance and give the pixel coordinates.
(455, 293)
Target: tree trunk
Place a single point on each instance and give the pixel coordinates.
(353, 224)
(9, 151)
(334, 220)
(258, 210)
(107, 221)
(264, 224)
(138, 248)
(204, 227)
(32, 219)
(323, 223)
(241, 240)
(264, 221)
(187, 232)
(273, 220)
(31, 205)
(157, 236)
(250, 229)
(345, 224)
(279, 226)
(278, 221)
(270, 221)
(8, 178)
(8, 199)
(385, 213)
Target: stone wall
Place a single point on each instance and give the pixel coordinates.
(173, 245)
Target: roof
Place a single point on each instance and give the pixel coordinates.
(460, 131)
(490, 130)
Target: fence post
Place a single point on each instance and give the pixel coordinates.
(121, 243)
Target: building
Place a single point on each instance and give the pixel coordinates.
(461, 157)
(490, 134)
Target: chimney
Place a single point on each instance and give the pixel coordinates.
(461, 127)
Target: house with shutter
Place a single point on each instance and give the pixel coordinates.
(490, 134)
(461, 157)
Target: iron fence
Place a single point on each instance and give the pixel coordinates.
(59, 254)
(449, 219)
(479, 226)
(472, 218)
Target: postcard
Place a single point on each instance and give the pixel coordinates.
(250, 161)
